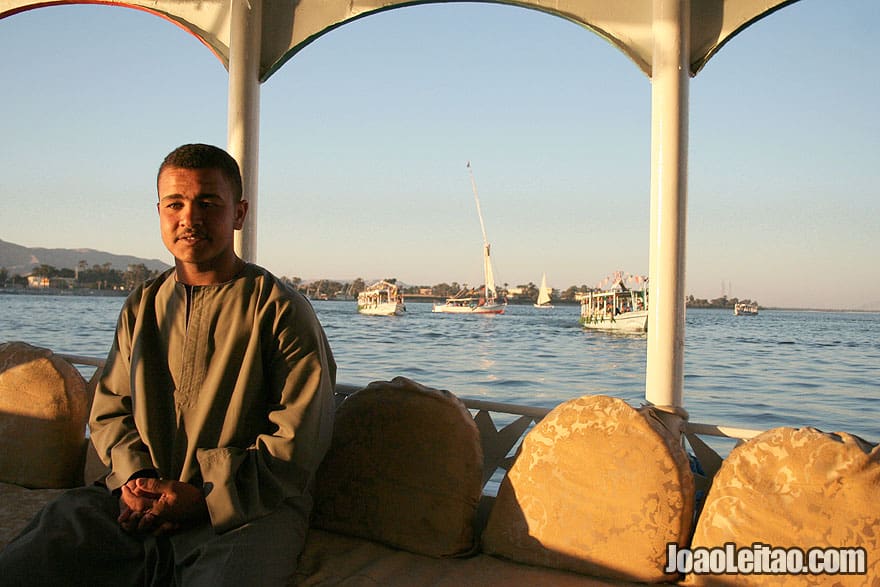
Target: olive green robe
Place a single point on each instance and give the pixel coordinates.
(233, 393)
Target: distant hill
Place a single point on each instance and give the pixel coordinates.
(19, 260)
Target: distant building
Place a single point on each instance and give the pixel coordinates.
(37, 281)
(41, 282)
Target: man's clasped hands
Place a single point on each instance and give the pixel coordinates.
(160, 506)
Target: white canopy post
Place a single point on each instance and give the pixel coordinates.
(669, 128)
(243, 135)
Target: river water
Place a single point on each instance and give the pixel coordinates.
(780, 368)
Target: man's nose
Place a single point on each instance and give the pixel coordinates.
(191, 215)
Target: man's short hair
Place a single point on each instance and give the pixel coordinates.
(201, 156)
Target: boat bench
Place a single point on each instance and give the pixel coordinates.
(422, 488)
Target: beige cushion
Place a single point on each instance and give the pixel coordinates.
(44, 410)
(342, 561)
(404, 468)
(598, 488)
(796, 488)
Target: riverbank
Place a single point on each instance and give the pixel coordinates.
(54, 291)
(409, 298)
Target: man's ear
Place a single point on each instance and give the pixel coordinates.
(241, 209)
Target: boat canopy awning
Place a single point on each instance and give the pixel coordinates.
(382, 285)
(290, 25)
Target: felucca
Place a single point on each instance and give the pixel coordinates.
(543, 294)
(488, 303)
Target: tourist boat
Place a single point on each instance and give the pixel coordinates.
(617, 308)
(488, 303)
(381, 299)
(745, 309)
(543, 294)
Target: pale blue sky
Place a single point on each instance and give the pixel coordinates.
(366, 134)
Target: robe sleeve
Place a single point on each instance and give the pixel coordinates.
(111, 423)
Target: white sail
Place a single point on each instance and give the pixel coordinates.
(488, 302)
(488, 274)
(544, 292)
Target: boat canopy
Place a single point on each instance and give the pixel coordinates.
(668, 40)
(287, 26)
(381, 285)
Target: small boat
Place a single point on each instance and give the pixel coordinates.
(745, 309)
(488, 303)
(618, 308)
(381, 299)
(465, 304)
(543, 294)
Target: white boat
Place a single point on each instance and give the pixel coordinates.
(487, 303)
(745, 309)
(618, 308)
(469, 305)
(543, 294)
(381, 299)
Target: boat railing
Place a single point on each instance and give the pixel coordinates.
(502, 427)
(81, 360)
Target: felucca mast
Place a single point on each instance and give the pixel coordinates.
(487, 264)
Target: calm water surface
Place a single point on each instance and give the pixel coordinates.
(780, 368)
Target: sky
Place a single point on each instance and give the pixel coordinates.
(366, 134)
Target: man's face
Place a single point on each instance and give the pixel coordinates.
(198, 216)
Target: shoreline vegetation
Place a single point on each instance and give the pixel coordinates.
(104, 280)
(410, 298)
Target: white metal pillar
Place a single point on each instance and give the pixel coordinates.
(664, 380)
(243, 134)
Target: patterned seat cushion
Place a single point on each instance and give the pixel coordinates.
(597, 488)
(404, 469)
(44, 409)
(796, 488)
(344, 561)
